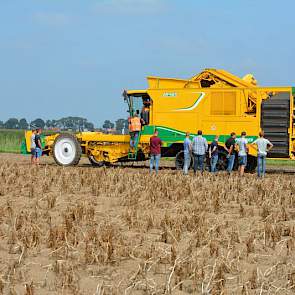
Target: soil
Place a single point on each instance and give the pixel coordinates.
(119, 230)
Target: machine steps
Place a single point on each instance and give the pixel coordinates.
(275, 121)
(132, 154)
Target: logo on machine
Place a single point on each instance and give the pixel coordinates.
(195, 104)
(213, 127)
(169, 94)
(250, 139)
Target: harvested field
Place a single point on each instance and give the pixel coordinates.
(82, 230)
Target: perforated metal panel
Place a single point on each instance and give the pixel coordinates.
(275, 121)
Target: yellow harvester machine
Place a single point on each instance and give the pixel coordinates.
(214, 101)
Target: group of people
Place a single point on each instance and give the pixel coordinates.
(198, 147)
(36, 146)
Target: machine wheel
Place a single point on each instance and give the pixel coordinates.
(179, 161)
(222, 162)
(66, 150)
(251, 164)
(94, 162)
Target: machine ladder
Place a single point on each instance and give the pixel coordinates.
(132, 153)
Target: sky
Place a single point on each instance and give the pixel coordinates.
(74, 57)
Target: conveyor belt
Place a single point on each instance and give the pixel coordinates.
(275, 121)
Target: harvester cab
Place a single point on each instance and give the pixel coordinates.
(139, 104)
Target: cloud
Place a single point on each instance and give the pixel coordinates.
(129, 6)
(52, 18)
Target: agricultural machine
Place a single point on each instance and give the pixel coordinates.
(214, 101)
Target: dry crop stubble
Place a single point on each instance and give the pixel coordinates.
(80, 230)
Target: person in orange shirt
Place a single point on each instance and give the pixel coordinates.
(134, 129)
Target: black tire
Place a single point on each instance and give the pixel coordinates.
(251, 164)
(179, 161)
(222, 162)
(207, 163)
(236, 163)
(66, 150)
(95, 163)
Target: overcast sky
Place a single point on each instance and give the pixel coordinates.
(74, 57)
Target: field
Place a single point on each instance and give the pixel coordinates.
(83, 230)
(10, 140)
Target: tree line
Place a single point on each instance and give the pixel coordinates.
(66, 123)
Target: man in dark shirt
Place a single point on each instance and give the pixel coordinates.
(230, 146)
(145, 113)
(155, 151)
(38, 149)
(213, 154)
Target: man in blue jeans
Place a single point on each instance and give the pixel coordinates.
(187, 146)
(213, 154)
(155, 151)
(33, 145)
(199, 147)
(263, 146)
(230, 146)
(242, 143)
(38, 148)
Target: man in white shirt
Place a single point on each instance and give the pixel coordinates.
(243, 151)
(187, 147)
(33, 145)
(263, 146)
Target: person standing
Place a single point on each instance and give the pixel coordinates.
(230, 146)
(243, 151)
(33, 146)
(199, 148)
(187, 146)
(263, 146)
(38, 149)
(134, 129)
(155, 151)
(145, 113)
(213, 154)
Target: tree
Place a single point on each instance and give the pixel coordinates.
(89, 126)
(108, 125)
(11, 123)
(48, 124)
(38, 123)
(73, 123)
(1, 124)
(23, 124)
(53, 123)
(121, 124)
(81, 124)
